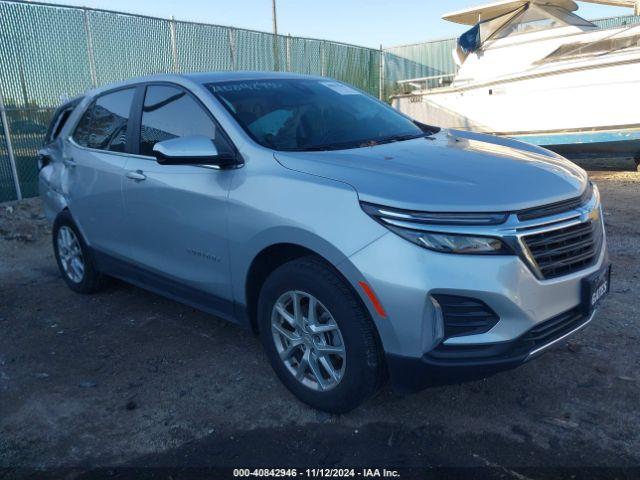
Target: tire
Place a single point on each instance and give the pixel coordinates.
(361, 366)
(86, 280)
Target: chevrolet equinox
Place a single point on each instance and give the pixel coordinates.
(359, 244)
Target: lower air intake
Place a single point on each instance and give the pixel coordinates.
(465, 315)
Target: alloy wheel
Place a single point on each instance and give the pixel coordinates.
(70, 254)
(308, 340)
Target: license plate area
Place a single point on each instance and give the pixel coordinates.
(594, 288)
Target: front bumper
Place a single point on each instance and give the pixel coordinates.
(516, 306)
(453, 364)
(533, 313)
(404, 277)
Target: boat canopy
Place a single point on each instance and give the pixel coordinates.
(515, 18)
(473, 39)
(472, 16)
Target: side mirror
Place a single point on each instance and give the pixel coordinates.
(194, 150)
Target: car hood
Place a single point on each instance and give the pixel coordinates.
(452, 171)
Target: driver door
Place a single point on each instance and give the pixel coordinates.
(176, 215)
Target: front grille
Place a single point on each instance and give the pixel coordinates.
(465, 316)
(556, 208)
(554, 328)
(565, 250)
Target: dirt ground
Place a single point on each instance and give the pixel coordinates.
(126, 377)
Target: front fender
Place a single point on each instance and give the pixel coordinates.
(290, 235)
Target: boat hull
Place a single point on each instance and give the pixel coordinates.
(585, 106)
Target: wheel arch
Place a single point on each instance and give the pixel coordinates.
(273, 256)
(65, 210)
(265, 262)
(53, 202)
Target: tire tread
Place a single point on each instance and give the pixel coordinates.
(374, 373)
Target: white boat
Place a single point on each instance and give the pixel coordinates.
(536, 71)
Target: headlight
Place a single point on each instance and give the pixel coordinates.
(453, 243)
(400, 222)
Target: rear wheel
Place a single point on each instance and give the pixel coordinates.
(320, 339)
(637, 162)
(74, 257)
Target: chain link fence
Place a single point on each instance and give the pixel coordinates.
(432, 60)
(616, 22)
(50, 53)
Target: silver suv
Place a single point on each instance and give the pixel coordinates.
(360, 244)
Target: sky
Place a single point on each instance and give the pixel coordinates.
(369, 23)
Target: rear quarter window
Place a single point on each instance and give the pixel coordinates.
(103, 126)
(59, 120)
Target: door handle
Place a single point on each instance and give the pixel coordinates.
(69, 162)
(136, 175)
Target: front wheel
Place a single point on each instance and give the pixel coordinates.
(318, 336)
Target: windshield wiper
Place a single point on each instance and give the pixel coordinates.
(330, 146)
(397, 138)
(363, 143)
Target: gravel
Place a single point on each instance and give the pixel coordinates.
(126, 377)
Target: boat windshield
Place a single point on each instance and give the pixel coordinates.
(578, 50)
(541, 17)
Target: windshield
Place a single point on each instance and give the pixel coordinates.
(309, 114)
(537, 17)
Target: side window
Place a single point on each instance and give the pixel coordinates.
(81, 133)
(170, 112)
(104, 125)
(61, 120)
(58, 122)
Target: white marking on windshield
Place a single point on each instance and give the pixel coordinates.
(239, 87)
(340, 88)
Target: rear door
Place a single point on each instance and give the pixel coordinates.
(93, 168)
(176, 215)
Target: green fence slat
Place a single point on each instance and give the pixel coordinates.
(416, 61)
(126, 46)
